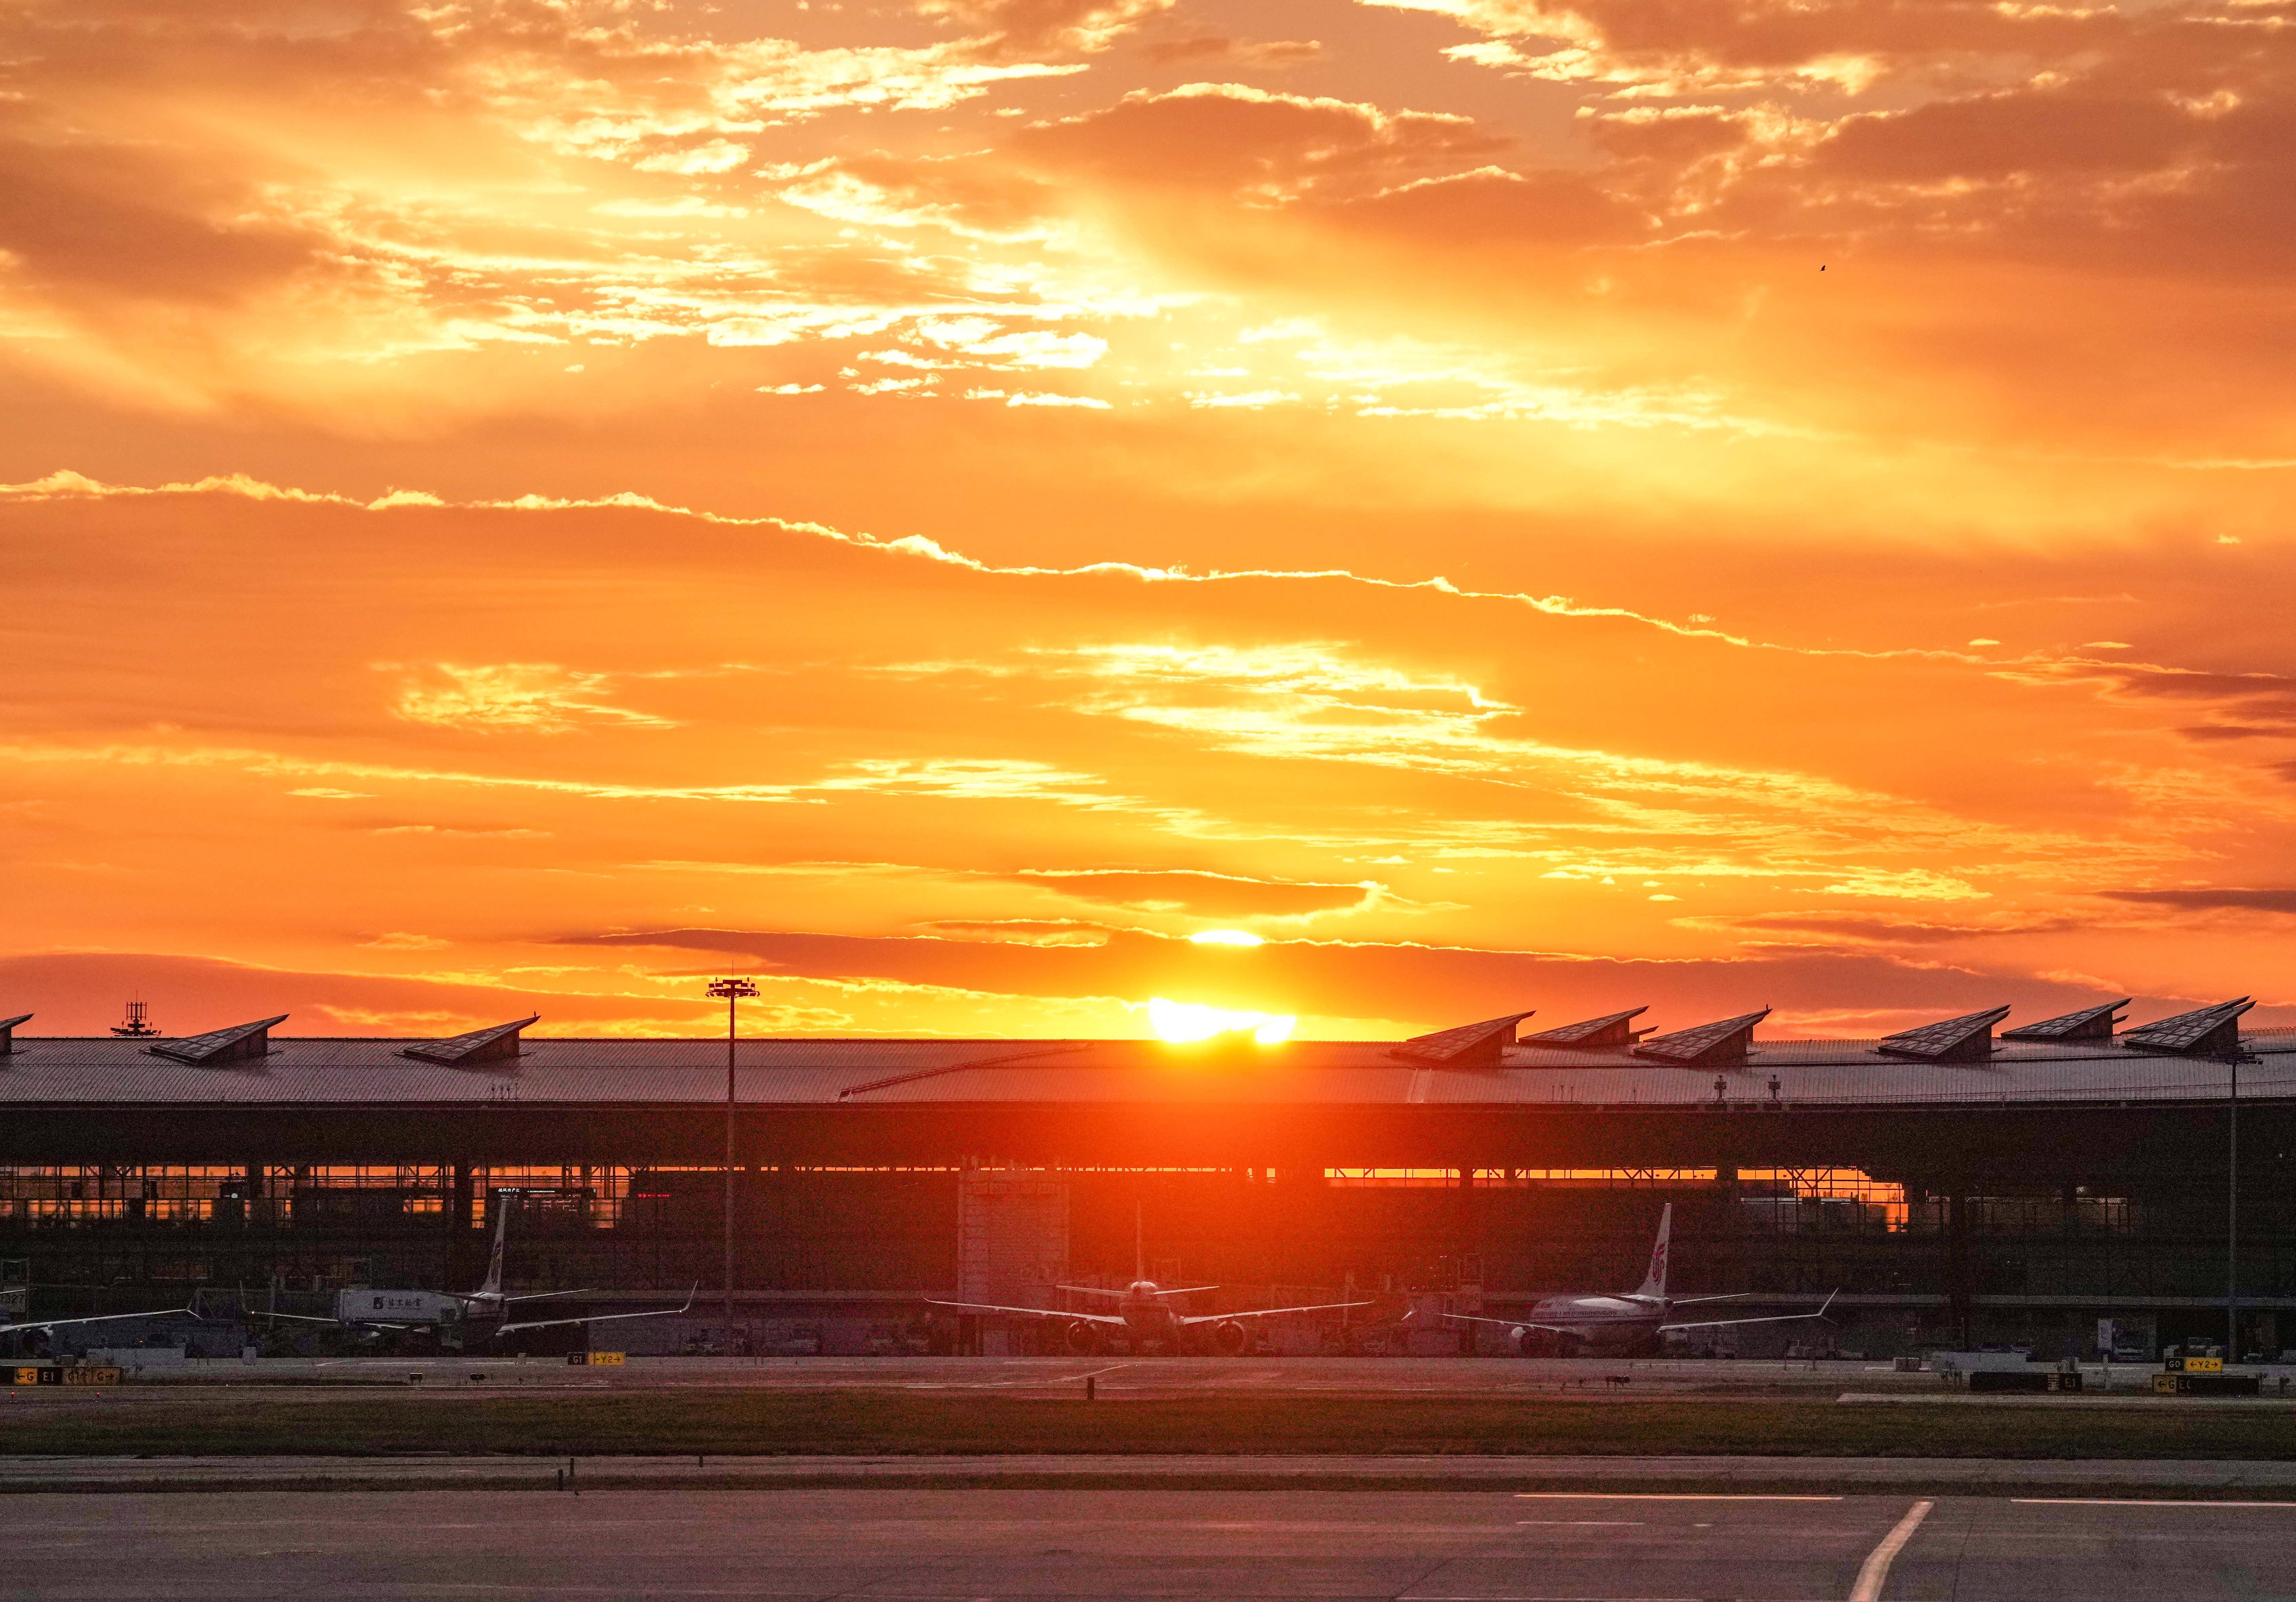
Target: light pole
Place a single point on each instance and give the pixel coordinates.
(730, 991)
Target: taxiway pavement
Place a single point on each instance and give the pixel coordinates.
(906, 1545)
(1112, 1375)
(2247, 1479)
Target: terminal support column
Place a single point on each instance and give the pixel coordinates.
(1956, 1267)
(458, 1228)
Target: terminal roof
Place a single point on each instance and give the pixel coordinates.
(490, 1045)
(2208, 1030)
(8, 1031)
(1593, 1033)
(1468, 1046)
(233, 1044)
(1965, 1040)
(90, 1077)
(2089, 1023)
(1727, 1041)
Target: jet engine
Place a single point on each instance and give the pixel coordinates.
(1231, 1337)
(1083, 1337)
(1519, 1340)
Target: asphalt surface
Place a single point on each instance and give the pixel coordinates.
(1307, 1546)
(1112, 1375)
(1276, 1471)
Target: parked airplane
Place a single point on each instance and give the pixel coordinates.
(363, 1307)
(1143, 1316)
(1619, 1325)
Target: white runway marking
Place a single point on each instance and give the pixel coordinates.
(1874, 1573)
(2104, 1501)
(1064, 1379)
(1663, 1496)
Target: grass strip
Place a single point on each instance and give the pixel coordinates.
(854, 1422)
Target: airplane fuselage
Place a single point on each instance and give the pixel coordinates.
(1604, 1323)
(1146, 1315)
(364, 1304)
(1598, 1310)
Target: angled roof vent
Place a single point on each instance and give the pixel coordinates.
(1593, 1034)
(491, 1044)
(2089, 1023)
(1965, 1039)
(2204, 1032)
(8, 1031)
(1469, 1046)
(221, 1046)
(1726, 1041)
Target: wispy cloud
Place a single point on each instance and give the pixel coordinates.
(1801, 493)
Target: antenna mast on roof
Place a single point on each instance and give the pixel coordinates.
(138, 1027)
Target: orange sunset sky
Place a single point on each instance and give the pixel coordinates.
(1556, 503)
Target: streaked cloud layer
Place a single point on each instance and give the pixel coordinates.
(1516, 505)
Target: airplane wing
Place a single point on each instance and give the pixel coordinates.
(1094, 1290)
(1688, 1300)
(164, 1312)
(338, 1322)
(1028, 1312)
(659, 1312)
(546, 1296)
(1269, 1313)
(1531, 1324)
(1780, 1319)
(1585, 1325)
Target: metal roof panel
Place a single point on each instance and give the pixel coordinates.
(1608, 1029)
(1469, 1043)
(2089, 1023)
(1970, 1036)
(219, 1045)
(691, 1072)
(494, 1042)
(1727, 1039)
(2204, 1029)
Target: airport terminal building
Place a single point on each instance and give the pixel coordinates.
(1974, 1180)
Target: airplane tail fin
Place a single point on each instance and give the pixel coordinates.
(1139, 1247)
(494, 1282)
(1655, 1282)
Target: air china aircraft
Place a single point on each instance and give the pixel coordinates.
(367, 1308)
(1622, 1325)
(1143, 1318)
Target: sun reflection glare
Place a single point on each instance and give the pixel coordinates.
(1183, 1022)
(1226, 936)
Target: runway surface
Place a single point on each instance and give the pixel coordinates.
(1044, 1546)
